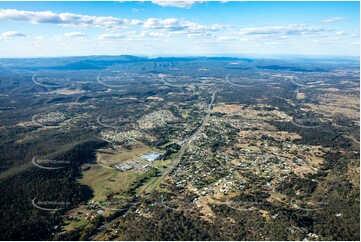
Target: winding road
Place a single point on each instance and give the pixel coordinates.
(240, 85)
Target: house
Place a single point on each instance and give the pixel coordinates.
(100, 211)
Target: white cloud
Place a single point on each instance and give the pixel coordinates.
(332, 20)
(111, 36)
(177, 4)
(65, 19)
(226, 38)
(180, 26)
(205, 36)
(74, 34)
(12, 34)
(133, 35)
(136, 10)
(106, 22)
(282, 30)
(341, 33)
(349, 33)
(152, 34)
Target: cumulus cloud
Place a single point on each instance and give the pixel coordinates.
(180, 26)
(333, 20)
(106, 22)
(133, 35)
(207, 35)
(111, 36)
(282, 30)
(177, 4)
(65, 19)
(12, 34)
(74, 34)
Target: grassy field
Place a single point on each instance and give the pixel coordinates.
(161, 165)
(76, 223)
(185, 115)
(105, 181)
(114, 156)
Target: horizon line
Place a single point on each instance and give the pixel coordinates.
(188, 56)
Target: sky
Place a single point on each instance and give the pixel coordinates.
(183, 28)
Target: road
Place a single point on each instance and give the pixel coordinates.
(166, 172)
(184, 147)
(318, 83)
(303, 126)
(107, 225)
(240, 85)
(170, 84)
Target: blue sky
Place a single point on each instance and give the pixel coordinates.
(158, 28)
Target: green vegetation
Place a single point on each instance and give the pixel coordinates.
(235, 157)
(153, 172)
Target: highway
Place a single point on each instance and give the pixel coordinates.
(176, 162)
(184, 147)
(107, 225)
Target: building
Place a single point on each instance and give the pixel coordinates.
(124, 167)
(151, 156)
